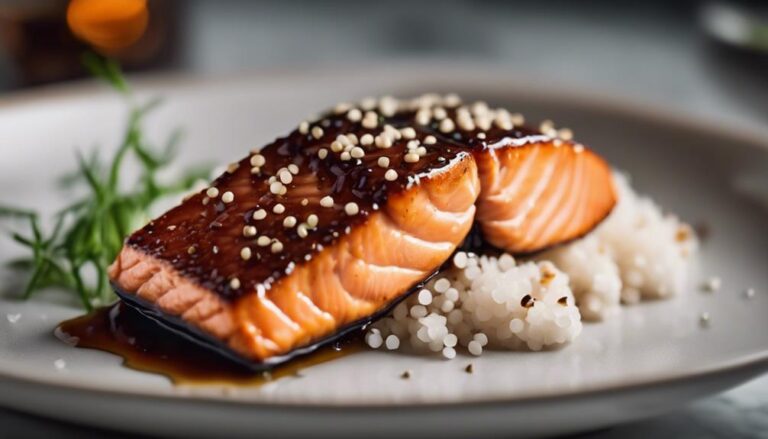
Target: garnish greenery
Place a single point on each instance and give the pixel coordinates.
(86, 235)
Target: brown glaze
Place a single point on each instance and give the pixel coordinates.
(202, 238)
(123, 331)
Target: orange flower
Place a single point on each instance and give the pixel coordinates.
(108, 25)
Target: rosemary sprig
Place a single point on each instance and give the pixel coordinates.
(87, 235)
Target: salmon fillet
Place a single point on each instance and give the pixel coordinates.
(324, 229)
(293, 244)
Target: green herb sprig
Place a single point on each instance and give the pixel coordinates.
(87, 234)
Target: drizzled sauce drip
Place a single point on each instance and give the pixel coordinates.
(144, 346)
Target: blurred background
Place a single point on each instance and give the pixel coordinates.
(701, 57)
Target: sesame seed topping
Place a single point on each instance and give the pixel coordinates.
(255, 170)
(345, 156)
(354, 115)
(228, 197)
(259, 214)
(263, 241)
(289, 221)
(212, 192)
(304, 201)
(565, 133)
(383, 141)
(293, 169)
(351, 208)
(286, 177)
(249, 231)
(342, 107)
(371, 120)
(322, 153)
(447, 125)
(326, 201)
(317, 132)
(408, 132)
(312, 220)
(357, 152)
(368, 103)
(439, 113)
(191, 250)
(276, 187)
(411, 157)
(245, 253)
(277, 247)
(234, 283)
(481, 136)
(430, 140)
(302, 231)
(423, 116)
(258, 160)
(388, 106)
(366, 140)
(304, 127)
(383, 162)
(390, 175)
(278, 209)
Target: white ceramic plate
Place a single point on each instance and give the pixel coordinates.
(652, 358)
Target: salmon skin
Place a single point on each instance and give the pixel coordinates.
(323, 230)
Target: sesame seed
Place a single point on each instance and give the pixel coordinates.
(371, 120)
(439, 113)
(289, 221)
(326, 201)
(388, 106)
(286, 177)
(259, 214)
(351, 208)
(215, 250)
(263, 241)
(342, 107)
(317, 132)
(357, 152)
(345, 156)
(302, 231)
(517, 118)
(312, 220)
(354, 115)
(293, 169)
(234, 283)
(304, 201)
(232, 167)
(276, 187)
(304, 127)
(412, 144)
(546, 126)
(171, 228)
(423, 116)
(447, 125)
(245, 253)
(278, 209)
(452, 100)
(383, 141)
(368, 103)
(390, 175)
(411, 157)
(383, 162)
(228, 197)
(481, 136)
(565, 133)
(392, 342)
(212, 192)
(277, 247)
(366, 140)
(255, 170)
(249, 231)
(258, 160)
(421, 151)
(322, 153)
(408, 132)
(430, 140)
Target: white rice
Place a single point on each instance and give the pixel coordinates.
(651, 250)
(485, 301)
(637, 252)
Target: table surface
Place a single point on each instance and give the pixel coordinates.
(653, 53)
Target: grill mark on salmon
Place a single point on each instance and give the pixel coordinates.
(526, 190)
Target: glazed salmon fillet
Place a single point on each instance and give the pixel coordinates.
(328, 227)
